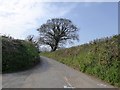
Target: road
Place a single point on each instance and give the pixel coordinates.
(51, 74)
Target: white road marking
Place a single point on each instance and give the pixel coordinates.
(67, 81)
(69, 85)
(102, 85)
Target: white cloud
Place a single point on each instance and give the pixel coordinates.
(19, 16)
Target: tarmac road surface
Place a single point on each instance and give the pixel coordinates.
(51, 74)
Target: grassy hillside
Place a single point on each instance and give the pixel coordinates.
(18, 55)
(99, 58)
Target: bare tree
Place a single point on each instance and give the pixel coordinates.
(33, 40)
(56, 32)
(30, 38)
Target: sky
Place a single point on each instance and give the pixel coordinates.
(95, 19)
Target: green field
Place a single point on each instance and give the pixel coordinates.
(99, 58)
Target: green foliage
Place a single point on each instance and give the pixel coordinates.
(18, 55)
(99, 58)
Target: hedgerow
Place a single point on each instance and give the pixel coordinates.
(18, 55)
(99, 58)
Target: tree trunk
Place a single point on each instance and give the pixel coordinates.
(54, 49)
(55, 46)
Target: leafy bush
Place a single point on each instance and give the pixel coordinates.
(18, 55)
(99, 58)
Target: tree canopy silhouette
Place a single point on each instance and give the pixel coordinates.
(56, 32)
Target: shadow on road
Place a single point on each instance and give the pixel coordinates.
(42, 66)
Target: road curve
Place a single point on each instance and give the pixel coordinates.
(51, 74)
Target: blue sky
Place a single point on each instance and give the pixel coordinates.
(20, 18)
(95, 20)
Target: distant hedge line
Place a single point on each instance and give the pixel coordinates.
(18, 55)
(99, 58)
